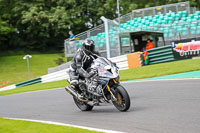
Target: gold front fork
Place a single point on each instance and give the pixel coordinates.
(108, 87)
(115, 81)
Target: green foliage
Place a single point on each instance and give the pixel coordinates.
(69, 59)
(5, 29)
(59, 61)
(44, 24)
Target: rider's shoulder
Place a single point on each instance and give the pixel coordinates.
(97, 53)
(79, 52)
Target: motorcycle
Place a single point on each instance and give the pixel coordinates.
(102, 87)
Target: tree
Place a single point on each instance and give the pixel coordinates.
(5, 31)
(44, 24)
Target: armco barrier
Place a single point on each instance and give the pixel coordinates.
(25, 83)
(121, 62)
(58, 68)
(161, 54)
(29, 82)
(59, 75)
(8, 87)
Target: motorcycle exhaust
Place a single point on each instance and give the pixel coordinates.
(75, 94)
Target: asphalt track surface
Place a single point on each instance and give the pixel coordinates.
(169, 106)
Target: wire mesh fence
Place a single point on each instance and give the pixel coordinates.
(113, 29)
(177, 21)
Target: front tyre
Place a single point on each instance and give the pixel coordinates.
(82, 105)
(123, 101)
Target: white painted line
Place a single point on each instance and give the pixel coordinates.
(63, 124)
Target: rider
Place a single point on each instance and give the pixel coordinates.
(81, 62)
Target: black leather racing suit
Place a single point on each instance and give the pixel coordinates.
(80, 62)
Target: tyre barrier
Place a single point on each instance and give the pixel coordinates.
(161, 54)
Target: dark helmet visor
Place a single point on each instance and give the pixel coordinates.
(90, 48)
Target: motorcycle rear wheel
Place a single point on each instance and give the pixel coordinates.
(82, 105)
(123, 101)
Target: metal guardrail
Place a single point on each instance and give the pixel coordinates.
(121, 62)
(55, 76)
(10, 87)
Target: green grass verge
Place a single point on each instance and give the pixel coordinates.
(161, 69)
(130, 74)
(19, 126)
(14, 69)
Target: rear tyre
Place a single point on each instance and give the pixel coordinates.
(82, 105)
(123, 101)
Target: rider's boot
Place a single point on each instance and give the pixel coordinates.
(76, 88)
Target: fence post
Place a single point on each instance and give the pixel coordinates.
(88, 34)
(107, 36)
(65, 47)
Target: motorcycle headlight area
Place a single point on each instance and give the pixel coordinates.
(109, 71)
(105, 73)
(107, 67)
(115, 70)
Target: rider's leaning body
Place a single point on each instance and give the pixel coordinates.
(82, 61)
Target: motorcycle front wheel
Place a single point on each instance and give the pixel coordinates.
(123, 101)
(82, 105)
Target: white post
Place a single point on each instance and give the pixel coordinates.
(65, 47)
(26, 57)
(118, 11)
(28, 68)
(107, 36)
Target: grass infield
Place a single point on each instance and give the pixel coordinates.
(20, 126)
(14, 68)
(161, 69)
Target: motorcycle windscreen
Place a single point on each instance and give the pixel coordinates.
(102, 61)
(105, 73)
